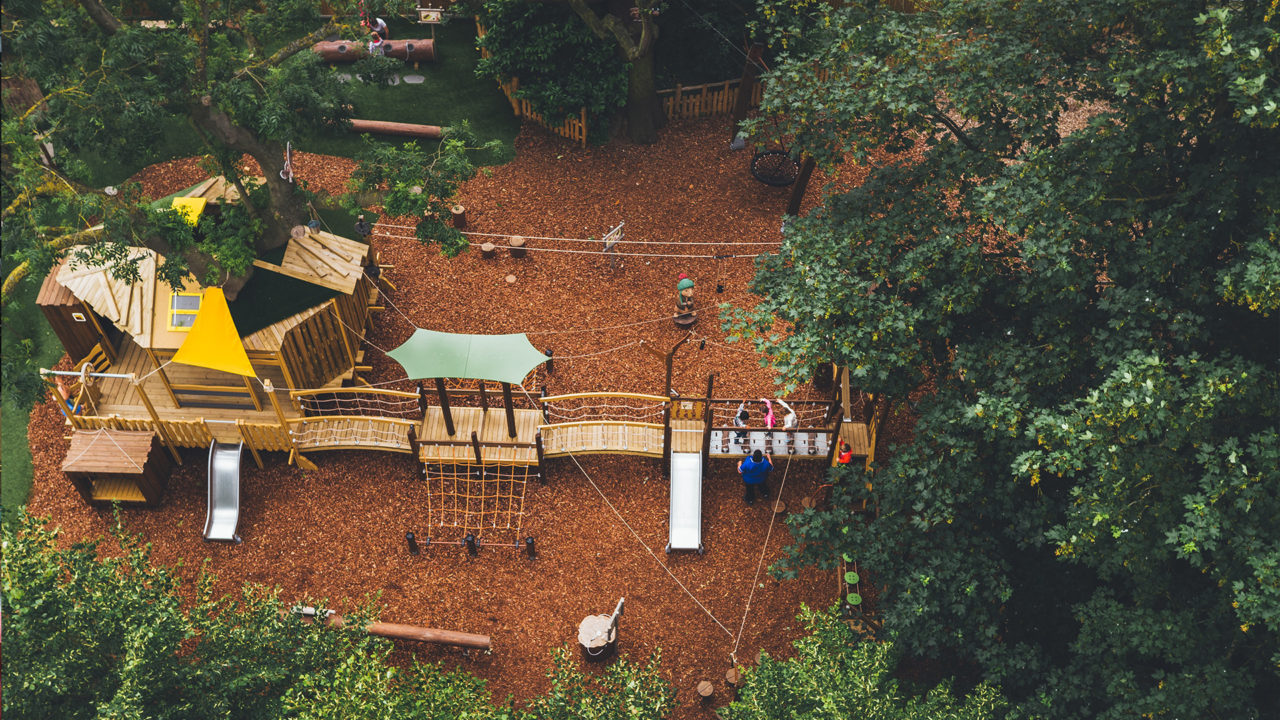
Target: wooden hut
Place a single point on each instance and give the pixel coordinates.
(117, 466)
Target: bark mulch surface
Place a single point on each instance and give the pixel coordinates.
(338, 533)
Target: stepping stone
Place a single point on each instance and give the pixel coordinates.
(344, 77)
(414, 79)
(395, 80)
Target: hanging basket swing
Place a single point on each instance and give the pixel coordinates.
(775, 167)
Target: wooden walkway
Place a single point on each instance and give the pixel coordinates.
(497, 446)
(602, 436)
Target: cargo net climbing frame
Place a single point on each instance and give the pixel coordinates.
(485, 500)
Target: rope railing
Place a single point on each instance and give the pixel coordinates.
(364, 402)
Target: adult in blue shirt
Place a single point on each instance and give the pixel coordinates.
(755, 475)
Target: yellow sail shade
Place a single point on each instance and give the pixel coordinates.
(190, 207)
(214, 342)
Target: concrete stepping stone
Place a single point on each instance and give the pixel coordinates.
(414, 79)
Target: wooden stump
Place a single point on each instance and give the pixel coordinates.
(809, 503)
(732, 677)
(515, 244)
(298, 232)
(686, 320)
(488, 251)
(705, 690)
(459, 216)
(779, 508)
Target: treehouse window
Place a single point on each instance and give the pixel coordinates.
(183, 308)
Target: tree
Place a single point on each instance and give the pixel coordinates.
(626, 689)
(837, 675)
(235, 72)
(1065, 254)
(89, 635)
(634, 36)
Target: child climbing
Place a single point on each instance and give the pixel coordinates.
(740, 418)
(788, 423)
(769, 419)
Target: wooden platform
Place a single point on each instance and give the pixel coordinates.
(119, 397)
(856, 434)
(322, 259)
(686, 436)
(591, 437)
(491, 429)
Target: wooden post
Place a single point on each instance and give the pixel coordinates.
(706, 421)
(155, 419)
(475, 445)
(537, 446)
(543, 405)
(797, 190)
(484, 397)
(422, 400)
(488, 250)
(666, 436)
(511, 409)
(248, 386)
(164, 378)
(459, 214)
(257, 458)
(841, 383)
(515, 245)
(302, 461)
(444, 406)
(750, 71)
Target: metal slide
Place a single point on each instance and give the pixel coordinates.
(686, 502)
(224, 492)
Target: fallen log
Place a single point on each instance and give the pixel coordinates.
(397, 631)
(432, 132)
(336, 51)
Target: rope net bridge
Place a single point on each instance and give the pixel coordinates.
(486, 501)
(584, 423)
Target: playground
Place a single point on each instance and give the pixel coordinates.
(601, 516)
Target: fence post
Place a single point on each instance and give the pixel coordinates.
(583, 113)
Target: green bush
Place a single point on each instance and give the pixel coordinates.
(562, 66)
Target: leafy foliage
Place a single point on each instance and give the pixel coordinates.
(561, 65)
(1083, 315)
(837, 675)
(91, 635)
(414, 183)
(625, 689)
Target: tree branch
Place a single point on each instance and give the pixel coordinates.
(603, 28)
(955, 130)
(102, 17)
(58, 243)
(290, 50)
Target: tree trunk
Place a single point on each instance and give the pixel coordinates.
(287, 208)
(644, 110)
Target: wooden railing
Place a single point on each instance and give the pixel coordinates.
(180, 433)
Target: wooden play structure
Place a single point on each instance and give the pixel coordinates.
(117, 466)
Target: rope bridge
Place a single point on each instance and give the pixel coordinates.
(351, 432)
(361, 402)
(585, 423)
(487, 500)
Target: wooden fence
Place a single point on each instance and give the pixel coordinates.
(573, 128)
(707, 99)
(181, 433)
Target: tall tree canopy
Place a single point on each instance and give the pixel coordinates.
(235, 71)
(1066, 254)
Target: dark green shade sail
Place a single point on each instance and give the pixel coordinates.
(501, 358)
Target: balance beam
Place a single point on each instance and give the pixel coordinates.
(431, 132)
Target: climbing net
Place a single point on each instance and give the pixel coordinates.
(372, 432)
(592, 407)
(487, 500)
(363, 402)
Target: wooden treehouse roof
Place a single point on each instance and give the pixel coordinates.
(129, 306)
(118, 452)
(322, 259)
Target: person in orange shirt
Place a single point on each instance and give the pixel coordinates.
(846, 454)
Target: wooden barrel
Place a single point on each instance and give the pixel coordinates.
(515, 244)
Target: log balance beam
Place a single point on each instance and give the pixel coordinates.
(336, 51)
(396, 631)
(431, 132)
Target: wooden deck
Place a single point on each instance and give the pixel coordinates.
(686, 436)
(604, 436)
(856, 434)
(121, 399)
(490, 428)
(323, 259)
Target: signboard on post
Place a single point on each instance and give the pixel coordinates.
(611, 240)
(430, 16)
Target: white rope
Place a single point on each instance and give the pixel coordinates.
(558, 358)
(647, 548)
(612, 253)
(589, 240)
(733, 654)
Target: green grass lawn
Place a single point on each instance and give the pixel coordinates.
(22, 320)
(450, 94)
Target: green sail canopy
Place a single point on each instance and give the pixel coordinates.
(501, 358)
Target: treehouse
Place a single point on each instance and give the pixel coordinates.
(184, 362)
